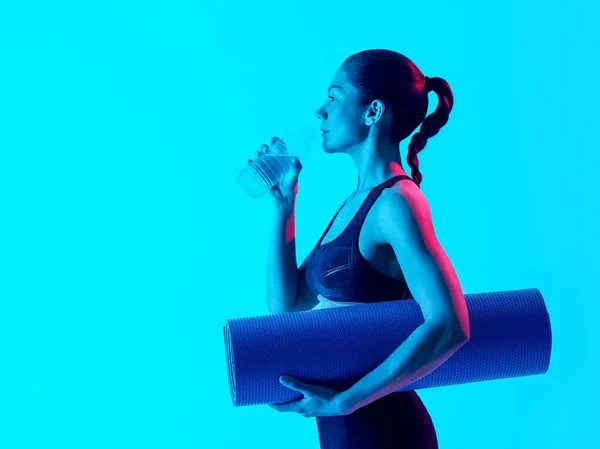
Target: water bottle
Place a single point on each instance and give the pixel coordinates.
(265, 171)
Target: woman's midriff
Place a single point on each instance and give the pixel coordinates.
(325, 303)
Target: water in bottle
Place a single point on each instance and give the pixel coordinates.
(265, 171)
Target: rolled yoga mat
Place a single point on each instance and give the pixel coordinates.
(336, 347)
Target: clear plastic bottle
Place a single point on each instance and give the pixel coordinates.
(258, 176)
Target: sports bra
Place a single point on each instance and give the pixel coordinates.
(339, 272)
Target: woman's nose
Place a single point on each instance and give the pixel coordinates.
(319, 113)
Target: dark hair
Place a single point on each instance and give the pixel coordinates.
(394, 79)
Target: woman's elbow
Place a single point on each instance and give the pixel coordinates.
(455, 330)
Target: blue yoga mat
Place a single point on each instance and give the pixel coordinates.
(336, 347)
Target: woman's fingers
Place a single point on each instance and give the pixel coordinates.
(264, 148)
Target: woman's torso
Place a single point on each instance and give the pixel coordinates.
(353, 249)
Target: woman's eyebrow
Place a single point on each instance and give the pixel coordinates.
(334, 86)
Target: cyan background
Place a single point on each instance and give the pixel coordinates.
(126, 241)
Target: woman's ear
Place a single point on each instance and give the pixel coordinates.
(375, 112)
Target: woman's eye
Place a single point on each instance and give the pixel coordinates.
(330, 97)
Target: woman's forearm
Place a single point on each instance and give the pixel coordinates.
(422, 352)
(282, 267)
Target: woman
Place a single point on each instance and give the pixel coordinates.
(377, 99)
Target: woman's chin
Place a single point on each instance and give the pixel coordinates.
(326, 147)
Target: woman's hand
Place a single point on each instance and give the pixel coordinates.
(317, 401)
(284, 192)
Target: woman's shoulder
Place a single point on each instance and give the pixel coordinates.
(403, 190)
(400, 205)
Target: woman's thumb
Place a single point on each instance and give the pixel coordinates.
(297, 164)
(297, 169)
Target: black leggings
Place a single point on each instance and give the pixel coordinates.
(396, 421)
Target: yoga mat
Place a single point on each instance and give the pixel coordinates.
(336, 347)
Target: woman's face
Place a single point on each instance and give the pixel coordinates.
(341, 116)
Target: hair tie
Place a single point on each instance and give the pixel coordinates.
(427, 86)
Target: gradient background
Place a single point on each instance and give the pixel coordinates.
(126, 241)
